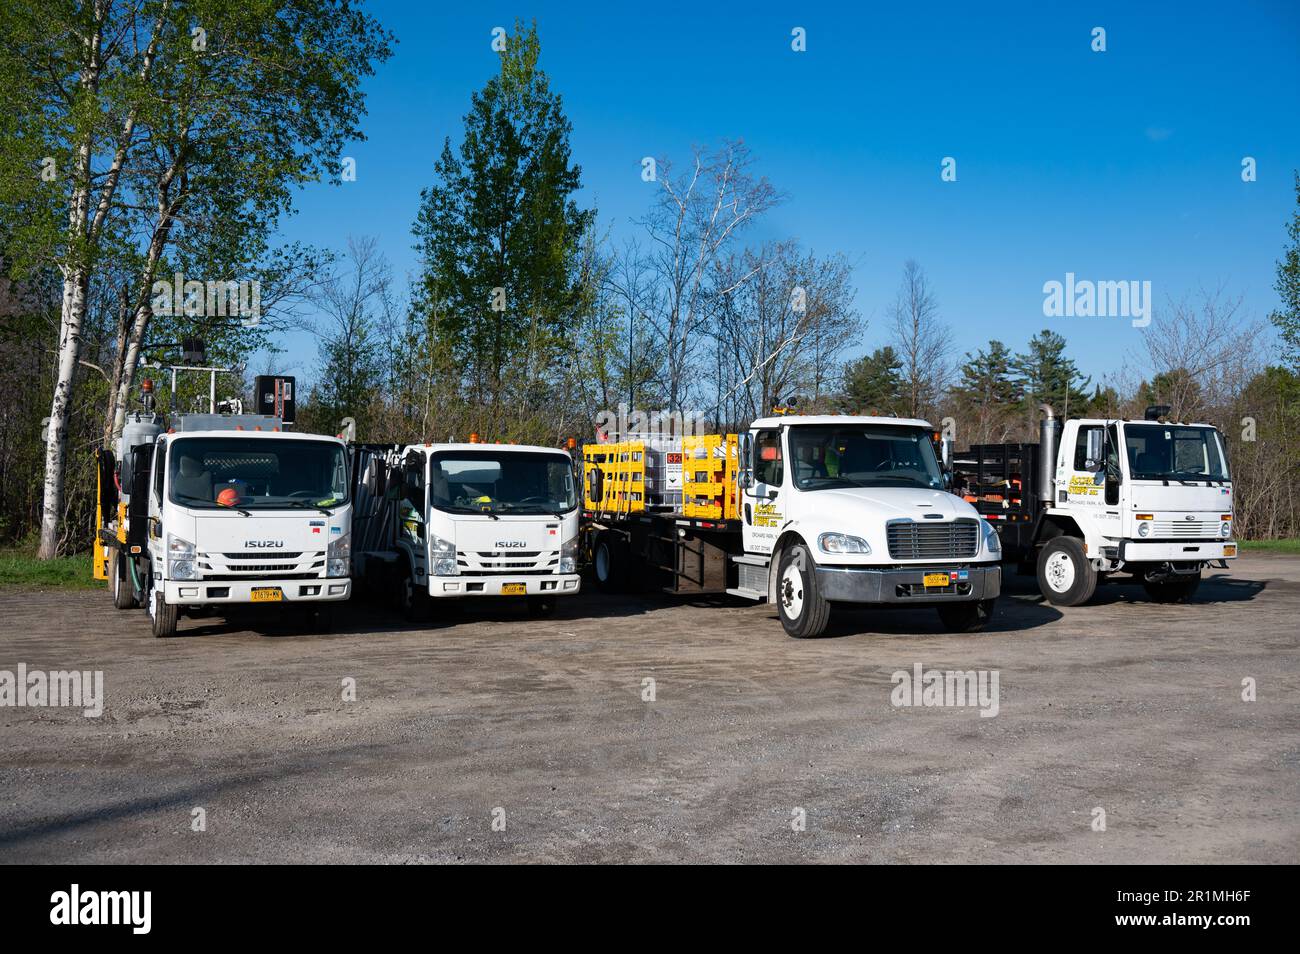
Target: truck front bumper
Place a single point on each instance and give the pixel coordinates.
(1177, 551)
(505, 585)
(867, 585)
(200, 592)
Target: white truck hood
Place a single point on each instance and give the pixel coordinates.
(531, 532)
(231, 533)
(891, 503)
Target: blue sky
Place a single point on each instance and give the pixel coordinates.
(1117, 165)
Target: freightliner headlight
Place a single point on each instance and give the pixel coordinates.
(442, 556)
(991, 541)
(569, 555)
(842, 543)
(180, 559)
(339, 555)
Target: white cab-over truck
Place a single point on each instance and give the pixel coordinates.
(827, 510)
(440, 523)
(1148, 499)
(221, 511)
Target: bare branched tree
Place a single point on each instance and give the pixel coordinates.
(921, 340)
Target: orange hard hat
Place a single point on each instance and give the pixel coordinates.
(228, 497)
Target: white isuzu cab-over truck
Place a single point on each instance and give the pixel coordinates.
(811, 511)
(223, 510)
(437, 523)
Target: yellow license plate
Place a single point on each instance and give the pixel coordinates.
(514, 589)
(267, 594)
(936, 579)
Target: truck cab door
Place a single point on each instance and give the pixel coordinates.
(762, 502)
(1092, 479)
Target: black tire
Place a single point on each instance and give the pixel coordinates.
(119, 581)
(609, 562)
(804, 612)
(541, 606)
(969, 617)
(316, 620)
(1065, 576)
(1180, 590)
(164, 617)
(413, 599)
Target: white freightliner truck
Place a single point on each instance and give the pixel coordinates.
(221, 510)
(439, 523)
(818, 510)
(1149, 499)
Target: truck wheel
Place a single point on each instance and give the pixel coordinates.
(541, 606)
(609, 559)
(413, 598)
(1064, 574)
(164, 616)
(968, 617)
(804, 613)
(1172, 591)
(123, 591)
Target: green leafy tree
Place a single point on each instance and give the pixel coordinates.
(176, 133)
(1287, 319)
(500, 235)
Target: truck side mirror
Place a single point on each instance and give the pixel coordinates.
(745, 462)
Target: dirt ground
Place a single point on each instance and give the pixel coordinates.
(1125, 706)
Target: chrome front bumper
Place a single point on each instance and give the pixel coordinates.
(866, 585)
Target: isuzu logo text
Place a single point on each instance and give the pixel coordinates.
(510, 544)
(263, 544)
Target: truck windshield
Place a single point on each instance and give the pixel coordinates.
(501, 482)
(244, 473)
(1172, 452)
(864, 456)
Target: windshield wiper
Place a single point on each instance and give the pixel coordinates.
(210, 505)
(308, 506)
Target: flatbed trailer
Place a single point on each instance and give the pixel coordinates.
(1003, 483)
(665, 551)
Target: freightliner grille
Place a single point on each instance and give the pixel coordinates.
(949, 540)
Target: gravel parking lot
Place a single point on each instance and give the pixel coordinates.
(1126, 706)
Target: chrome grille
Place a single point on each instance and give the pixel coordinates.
(1184, 528)
(950, 540)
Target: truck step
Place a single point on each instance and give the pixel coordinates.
(747, 594)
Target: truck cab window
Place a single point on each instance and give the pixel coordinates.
(769, 468)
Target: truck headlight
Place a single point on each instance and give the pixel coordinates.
(991, 540)
(1225, 530)
(442, 556)
(569, 555)
(842, 543)
(339, 555)
(180, 559)
(1144, 528)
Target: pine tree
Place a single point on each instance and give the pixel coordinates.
(874, 383)
(1046, 376)
(500, 233)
